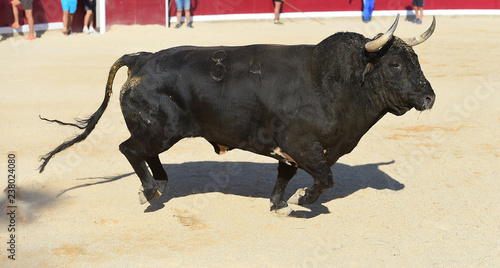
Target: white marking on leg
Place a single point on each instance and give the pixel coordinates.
(295, 198)
(288, 159)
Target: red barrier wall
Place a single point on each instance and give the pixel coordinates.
(215, 7)
(153, 11)
(130, 12)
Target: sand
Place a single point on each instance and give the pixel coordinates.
(420, 190)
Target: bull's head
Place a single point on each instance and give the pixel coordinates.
(398, 71)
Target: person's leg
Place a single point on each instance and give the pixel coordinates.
(366, 11)
(31, 23)
(371, 7)
(187, 13)
(415, 9)
(277, 8)
(421, 13)
(70, 21)
(65, 9)
(179, 16)
(65, 21)
(179, 6)
(15, 11)
(86, 19)
(71, 10)
(91, 19)
(91, 24)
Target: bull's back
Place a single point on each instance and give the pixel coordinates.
(228, 92)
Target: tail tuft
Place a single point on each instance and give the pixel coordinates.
(81, 123)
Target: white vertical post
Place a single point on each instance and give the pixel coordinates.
(101, 15)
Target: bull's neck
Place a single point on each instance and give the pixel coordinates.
(362, 105)
(351, 114)
(367, 111)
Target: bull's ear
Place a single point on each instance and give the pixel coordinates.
(368, 68)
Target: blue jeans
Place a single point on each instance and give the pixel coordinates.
(368, 9)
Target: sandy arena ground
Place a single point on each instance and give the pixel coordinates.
(420, 190)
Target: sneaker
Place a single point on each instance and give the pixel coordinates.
(419, 22)
(92, 30)
(178, 25)
(85, 30)
(415, 20)
(190, 25)
(277, 22)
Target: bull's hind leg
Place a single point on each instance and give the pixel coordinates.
(132, 151)
(285, 174)
(159, 173)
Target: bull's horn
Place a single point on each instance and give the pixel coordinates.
(413, 41)
(377, 44)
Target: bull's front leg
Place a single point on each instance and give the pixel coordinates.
(316, 165)
(307, 196)
(285, 174)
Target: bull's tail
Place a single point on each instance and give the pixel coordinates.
(86, 124)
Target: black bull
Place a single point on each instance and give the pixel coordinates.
(305, 105)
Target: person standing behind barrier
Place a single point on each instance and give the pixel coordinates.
(277, 8)
(418, 6)
(69, 8)
(88, 20)
(28, 11)
(368, 6)
(186, 5)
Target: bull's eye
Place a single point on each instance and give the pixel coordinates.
(395, 65)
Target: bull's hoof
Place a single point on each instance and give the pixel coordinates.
(148, 195)
(283, 210)
(161, 185)
(298, 197)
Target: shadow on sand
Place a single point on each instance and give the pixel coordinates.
(257, 180)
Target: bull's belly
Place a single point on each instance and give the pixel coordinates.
(261, 142)
(235, 139)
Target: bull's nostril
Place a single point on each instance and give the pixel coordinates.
(428, 102)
